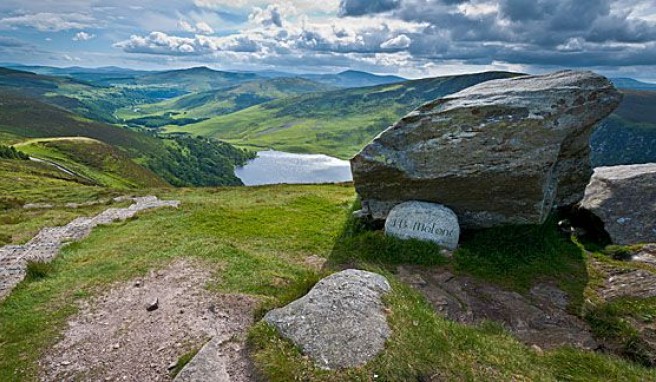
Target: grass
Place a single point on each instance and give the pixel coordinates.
(255, 240)
(183, 361)
(93, 160)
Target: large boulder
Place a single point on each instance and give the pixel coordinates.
(624, 198)
(340, 322)
(503, 151)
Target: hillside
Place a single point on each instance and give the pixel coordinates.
(190, 108)
(629, 135)
(93, 160)
(178, 160)
(337, 123)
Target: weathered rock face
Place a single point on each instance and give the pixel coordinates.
(624, 198)
(424, 221)
(504, 151)
(340, 322)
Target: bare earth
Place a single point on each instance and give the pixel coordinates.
(115, 338)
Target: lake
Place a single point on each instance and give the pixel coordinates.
(276, 167)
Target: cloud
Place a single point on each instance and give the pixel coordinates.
(399, 42)
(83, 36)
(48, 22)
(272, 15)
(365, 7)
(200, 27)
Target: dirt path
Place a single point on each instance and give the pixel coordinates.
(115, 337)
(47, 243)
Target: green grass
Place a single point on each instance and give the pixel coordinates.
(255, 240)
(183, 361)
(93, 160)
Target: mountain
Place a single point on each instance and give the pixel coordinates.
(631, 84)
(192, 107)
(353, 79)
(193, 79)
(338, 122)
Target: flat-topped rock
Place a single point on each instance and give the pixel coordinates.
(500, 152)
(340, 322)
(624, 198)
(424, 221)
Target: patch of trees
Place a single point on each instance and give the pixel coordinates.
(10, 152)
(197, 161)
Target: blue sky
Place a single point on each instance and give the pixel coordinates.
(413, 38)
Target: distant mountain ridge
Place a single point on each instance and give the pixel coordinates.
(630, 83)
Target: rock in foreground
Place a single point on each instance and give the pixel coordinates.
(340, 322)
(424, 221)
(624, 198)
(503, 151)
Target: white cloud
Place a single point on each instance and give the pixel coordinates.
(399, 42)
(200, 27)
(48, 22)
(83, 36)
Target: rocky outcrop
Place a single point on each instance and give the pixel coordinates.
(340, 322)
(538, 318)
(624, 198)
(503, 151)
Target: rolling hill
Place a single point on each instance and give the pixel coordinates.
(337, 122)
(181, 161)
(192, 107)
(94, 161)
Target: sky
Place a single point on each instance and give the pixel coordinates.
(411, 38)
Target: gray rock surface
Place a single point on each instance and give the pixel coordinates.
(220, 360)
(624, 198)
(424, 221)
(539, 318)
(47, 243)
(340, 322)
(503, 151)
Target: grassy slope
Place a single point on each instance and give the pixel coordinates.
(629, 135)
(95, 160)
(338, 122)
(170, 158)
(256, 240)
(29, 182)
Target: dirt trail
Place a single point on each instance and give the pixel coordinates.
(47, 243)
(114, 337)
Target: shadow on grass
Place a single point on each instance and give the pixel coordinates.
(514, 257)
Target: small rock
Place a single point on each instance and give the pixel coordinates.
(137, 284)
(153, 305)
(65, 363)
(172, 365)
(116, 346)
(537, 349)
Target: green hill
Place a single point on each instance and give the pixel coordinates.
(338, 122)
(628, 136)
(181, 161)
(190, 108)
(93, 160)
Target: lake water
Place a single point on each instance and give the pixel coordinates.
(276, 167)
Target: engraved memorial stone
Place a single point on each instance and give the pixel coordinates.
(424, 221)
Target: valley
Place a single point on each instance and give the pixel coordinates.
(229, 254)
